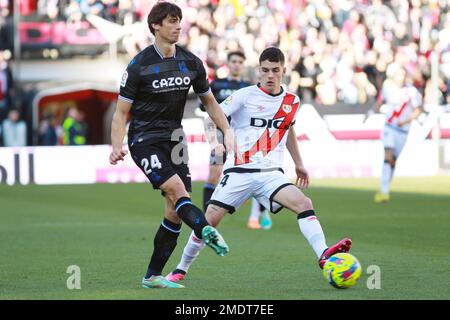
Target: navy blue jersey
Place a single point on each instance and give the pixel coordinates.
(157, 87)
(222, 88)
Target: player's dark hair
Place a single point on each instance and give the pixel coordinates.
(160, 11)
(272, 54)
(235, 53)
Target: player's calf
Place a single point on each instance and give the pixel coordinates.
(208, 190)
(191, 215)
(291, 197)
(190, 253)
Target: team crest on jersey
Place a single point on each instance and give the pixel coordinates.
(287, 108)
(228, 100)
(124, 79)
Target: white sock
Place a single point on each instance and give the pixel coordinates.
(386, 176)
(190, 252)
(312, 231)
(255, 212)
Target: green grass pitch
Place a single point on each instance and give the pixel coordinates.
(107, 230)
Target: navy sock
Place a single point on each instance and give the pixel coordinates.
(163, 245)
(306, 214)
(208, 190)
(261, 208)
(191, 215)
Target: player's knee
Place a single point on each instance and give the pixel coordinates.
(176, 191)
(391, 160)
(394, 162)
(171, 215)
(389, 157)
(212, 218)
(214, 175)
(214, 178)
(304, 204)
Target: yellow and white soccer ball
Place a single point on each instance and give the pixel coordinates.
(342, 270)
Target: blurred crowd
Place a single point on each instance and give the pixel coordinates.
(338, 51)
(72, 131)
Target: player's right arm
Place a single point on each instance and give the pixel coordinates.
(211, 133)
(226, 108)
(118, 130)
(302, 180)
(416, 102)
(129, 87)
(378, 103)
(219, 119)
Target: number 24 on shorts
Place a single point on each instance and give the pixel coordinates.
(154, 163)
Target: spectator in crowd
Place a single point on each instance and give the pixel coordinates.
(49, 131)
(74, 128)
(14, 130)
(48, 8)
(340, 49)
(91, 7)
(304, 79)
(6, 25)
(6, 85)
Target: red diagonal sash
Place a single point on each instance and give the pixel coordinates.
(397, 113)
(267, 142)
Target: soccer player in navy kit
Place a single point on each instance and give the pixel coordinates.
(154, 89)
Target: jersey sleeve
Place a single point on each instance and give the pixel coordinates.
(200, 84)
(200, 105)
(296, 100)
(129, 85)
(214, 89)
(416, 99)
(232, 103)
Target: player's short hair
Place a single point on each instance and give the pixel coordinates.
(235, 53)
(272, 54)
(160, 11)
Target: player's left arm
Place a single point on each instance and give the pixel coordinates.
(377, 105)
(414, 116)
(417, 103)
(220, 121)
(302, 180)
(202, 89)
(215, 112)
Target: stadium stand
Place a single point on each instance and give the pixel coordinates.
(337, 51)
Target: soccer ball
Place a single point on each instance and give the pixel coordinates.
(342, 270)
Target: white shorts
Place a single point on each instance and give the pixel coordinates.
(394, 139)
(236, 187)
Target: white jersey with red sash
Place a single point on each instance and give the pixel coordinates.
(400, 103)
(260, 122)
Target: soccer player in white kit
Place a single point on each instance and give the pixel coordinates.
(262, 117)
(403, 103)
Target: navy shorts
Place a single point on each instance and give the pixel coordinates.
(162, 160)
